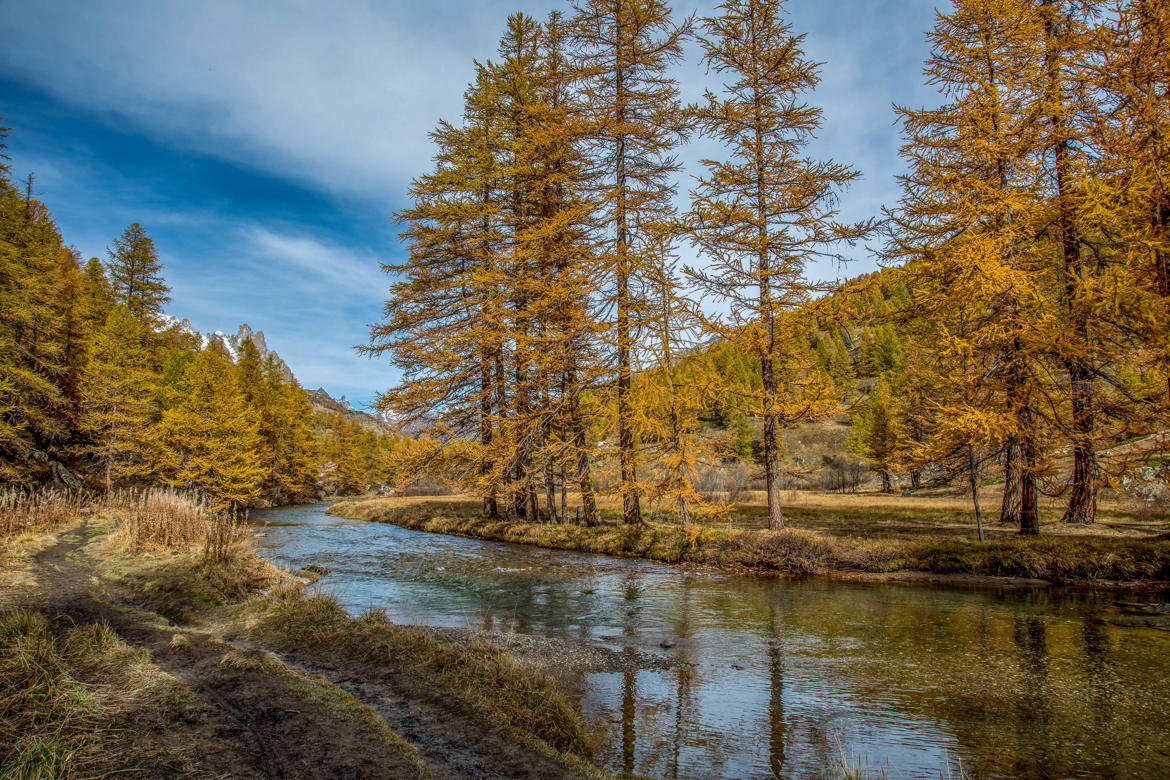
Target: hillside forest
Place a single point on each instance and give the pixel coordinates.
(552, 339)
(99, 390)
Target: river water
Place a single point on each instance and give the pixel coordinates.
(785, 678)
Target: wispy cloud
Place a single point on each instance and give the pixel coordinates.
(337, 94)
(318, 265)
(282, 135)
(342, 95)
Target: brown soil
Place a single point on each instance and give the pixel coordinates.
(253, 721)
(453, 741)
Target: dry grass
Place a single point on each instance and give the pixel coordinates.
(164, 518)
(18, 570)
(792, 551)
(46, 714)
(64, 699)
(155, 518)
(944, 515)
(30, 510)
(520, 699)
(181, 583)
(942, 512)
(159, 518)
(820, 540)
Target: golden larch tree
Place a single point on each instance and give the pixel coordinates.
(763, 213)
(116, 392)
(623, 52)
(968, 220)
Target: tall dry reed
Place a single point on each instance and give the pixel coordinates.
(169, 518)
(159, 517)
(36, 509)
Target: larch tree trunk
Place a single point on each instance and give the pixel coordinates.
(1009, 513)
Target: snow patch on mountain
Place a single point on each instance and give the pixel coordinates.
(232, 343)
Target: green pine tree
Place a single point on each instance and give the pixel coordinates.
(841, 367)
(135, 273)
(874, 434)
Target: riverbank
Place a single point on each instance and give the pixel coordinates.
(159, 660)
(861, 546)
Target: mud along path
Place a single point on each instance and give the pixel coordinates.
(264, 715)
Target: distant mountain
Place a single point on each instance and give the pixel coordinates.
(321, 400)
(410, 428)
(327, 404)
(232, 343)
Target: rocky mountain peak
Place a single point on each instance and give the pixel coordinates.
(325, 403)
(232, 343)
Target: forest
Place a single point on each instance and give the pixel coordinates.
(552, 338)
(99, 391)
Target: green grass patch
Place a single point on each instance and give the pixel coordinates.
(181, 583)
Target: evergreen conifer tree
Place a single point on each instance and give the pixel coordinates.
(135, 274)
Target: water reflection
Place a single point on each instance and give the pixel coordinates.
(777, 729)
(777, 678)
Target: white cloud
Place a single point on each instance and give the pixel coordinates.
(337, 94)
(342, 95)
(317, 264)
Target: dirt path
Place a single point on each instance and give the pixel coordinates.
(454, 742)
(261, 723)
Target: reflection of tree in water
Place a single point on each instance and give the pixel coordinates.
(630, 592)
(1033, 716)
(662, 732)
(1017, 684)
(778, 732)
(1028, 684)
(685, 714)
(1099, 667)
(684, 710)
(629, 714)
(1037, 694)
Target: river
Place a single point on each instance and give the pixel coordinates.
(785, 678)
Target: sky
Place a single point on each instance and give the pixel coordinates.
(265, 145)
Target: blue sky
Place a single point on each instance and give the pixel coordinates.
(264, 145)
